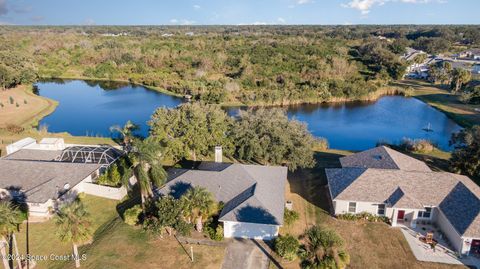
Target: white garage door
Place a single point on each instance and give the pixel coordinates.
(249, 230)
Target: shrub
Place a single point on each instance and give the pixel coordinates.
(14, 129)
(322, 144)
(290, 216)
(11, 100)
(363, 216)
(111, 177)
(417, 145)
(214, 232)
(25, 101)
(183, 228)
(17, 105)
(1, 104)
(287, 247)
(131, 215)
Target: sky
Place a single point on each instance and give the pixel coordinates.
(239, 12)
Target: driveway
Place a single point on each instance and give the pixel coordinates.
(245, 254)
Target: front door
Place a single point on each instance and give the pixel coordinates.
(401, 214)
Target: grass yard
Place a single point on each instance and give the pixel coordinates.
(122, 246)
(370, 245)
(116, 245)
(438, 97)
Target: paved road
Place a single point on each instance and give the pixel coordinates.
(245, 254)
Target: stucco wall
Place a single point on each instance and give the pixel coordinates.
(249, 230)
(40, 209)
(341, 207)
(104, 191)
(452, 235)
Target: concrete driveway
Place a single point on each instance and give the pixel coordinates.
(245, 254)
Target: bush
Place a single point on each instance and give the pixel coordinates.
(130, 216)
(363, 216)
(111, 177)
(11, 100)
(14, 129)
(287, 247)
(214, 230)
(417, 145)
(183, 228)
(290, 216)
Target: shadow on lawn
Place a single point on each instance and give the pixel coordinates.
(311, 183)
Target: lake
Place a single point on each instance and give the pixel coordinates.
(90, 108)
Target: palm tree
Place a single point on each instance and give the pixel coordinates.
(323, 249)
(146, 157)
(126, 132)
(10, 219)
(198, 204)
(459, 78)
(73, 226)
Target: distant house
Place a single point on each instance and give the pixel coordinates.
(47, 173)
(385, 182)
(471, 54)
(476, 69)
(253, 195)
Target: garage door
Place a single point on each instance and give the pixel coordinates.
(249, 230)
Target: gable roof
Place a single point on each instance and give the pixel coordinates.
(251, 193)
(383, 158)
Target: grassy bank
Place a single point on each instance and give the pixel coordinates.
(441, 99)
(25, 111)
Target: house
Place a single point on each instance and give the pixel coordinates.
(384, 182)
(471, 54)
(50, 172)
(253, 195)
(476, 69)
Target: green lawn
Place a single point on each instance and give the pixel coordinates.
(440, 98)
(42, 238)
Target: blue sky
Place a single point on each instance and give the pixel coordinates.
(201, 12)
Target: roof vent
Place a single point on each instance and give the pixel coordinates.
(66, 186)
(377, 157)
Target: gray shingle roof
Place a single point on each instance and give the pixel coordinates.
(383, 158)
(40, 180)
(412, 189)
(251, 193)
(34, 155)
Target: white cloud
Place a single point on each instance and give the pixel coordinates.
(281, 20)
(302, 2)
(196, 6)
(182, 22)
(364, 6)
(89, 21)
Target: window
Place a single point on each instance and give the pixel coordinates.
(352, 207)
(381, 209)
(426, 213)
